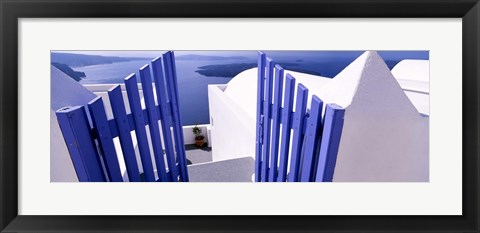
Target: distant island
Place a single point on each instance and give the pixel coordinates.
(195, 57)
(231, 70)
(76, 75)
(79, 60)
(226, 70)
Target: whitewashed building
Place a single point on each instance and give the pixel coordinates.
(385, 134)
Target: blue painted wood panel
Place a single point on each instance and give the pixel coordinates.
(286, 127)
(120, 116)
(105, 140)
(276, 114)
(75, 128)
(140, 131)
(183, 162)
(153, 125)
(165, 113)
(105, 130)
(311, 140)
(171, 80)
(267, 119)
(260, 102)
(298, 123)
(332, 133)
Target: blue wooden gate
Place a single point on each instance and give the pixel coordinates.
(89, 134)
(310, 153)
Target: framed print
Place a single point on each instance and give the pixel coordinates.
(302, 116)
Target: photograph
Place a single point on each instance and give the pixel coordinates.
(239, 116)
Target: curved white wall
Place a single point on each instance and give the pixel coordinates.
(232, 128)
(414, 78)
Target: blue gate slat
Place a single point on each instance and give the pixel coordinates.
(112, 123)
(164, 110)
(140, 131)
(332, 132)
(282, 110)
(297, 125)
(153, 126)
(120, 116)
(101, 127)
(311, 140)
(266, 120)
(174, 71)
(171, 80)
(260, 100)
(304, 129)
(131, 123)
(75, 128)
(277, 103)
(183, 162)
(286, 127)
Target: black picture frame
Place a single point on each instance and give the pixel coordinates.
(11, 11)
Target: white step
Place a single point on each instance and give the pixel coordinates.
(232, 170)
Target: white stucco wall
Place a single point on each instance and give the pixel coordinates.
(385, 138)
(61, 166)
(232, 129)
(415, 70)
(413, 76)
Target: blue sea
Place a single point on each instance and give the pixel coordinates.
(192, 86)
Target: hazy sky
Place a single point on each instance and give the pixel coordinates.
(152, 54)
(395, 55)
